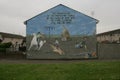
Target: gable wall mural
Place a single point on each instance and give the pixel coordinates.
(61, 33)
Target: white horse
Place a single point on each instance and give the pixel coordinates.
(42, 42)
(34, 41)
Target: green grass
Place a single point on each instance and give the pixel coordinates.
(95, 70)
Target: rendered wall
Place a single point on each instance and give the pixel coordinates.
(61, 33)
(109, 51)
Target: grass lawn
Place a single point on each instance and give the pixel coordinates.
(94, 70)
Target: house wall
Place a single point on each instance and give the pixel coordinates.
(111, 37)
(53, 23)
(13, 40)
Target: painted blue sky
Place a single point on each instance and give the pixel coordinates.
(75, 22)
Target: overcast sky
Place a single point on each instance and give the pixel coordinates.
(14, 12)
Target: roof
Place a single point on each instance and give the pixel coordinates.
(108, 32)
(57, 6)
(9, 35)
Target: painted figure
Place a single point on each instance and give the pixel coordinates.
(57, 49)
(56, 43)
(42, 42)
(37, 40)
(83, 43)
(65, 34)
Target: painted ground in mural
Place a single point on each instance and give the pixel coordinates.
(54, 47)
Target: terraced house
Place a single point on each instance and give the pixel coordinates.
(7, 37)
(109, 37)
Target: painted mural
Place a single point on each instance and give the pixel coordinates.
(61, 33)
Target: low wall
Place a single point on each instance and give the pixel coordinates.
(108, 51)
